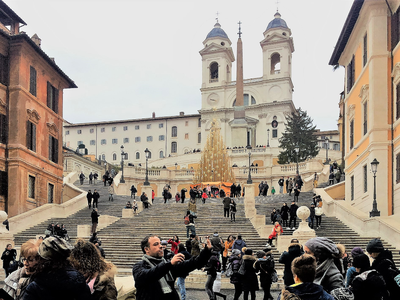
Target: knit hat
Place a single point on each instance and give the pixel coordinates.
(248, 252)
(375, 245)
(322, 243)
(342, 294)
(55, 247)
(236, 252)
(361, 261)
(356, 251)
(164, 242)
(215, 234)
(260, 254)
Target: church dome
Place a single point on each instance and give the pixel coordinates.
(277, 22)
(217, 31)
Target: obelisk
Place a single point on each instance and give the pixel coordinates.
(239, 124)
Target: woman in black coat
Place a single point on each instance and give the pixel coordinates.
(8, 255)
(285, 215)
(250, 281)
(265, 265)
(236, 278)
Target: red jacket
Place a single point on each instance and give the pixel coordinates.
(174, 246)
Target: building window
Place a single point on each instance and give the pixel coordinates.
(50, 193)
(365, 52)
(67, 132)
(174, 147)
(148, 126)
(214, 72)
(126, 140)
(186, 136)
(32, 81)
(161, 154)
(31, 187)
(79, 131)
(365, 171)
(398, 101)
(174, 131)
(52, 98)
(365, 125)
(336, 147)
(186, 123)
(3, 70)
(91, 130)
(3, 129)
(103, 142)
(352, 188)
(350, 74)
(199, 138)
(274, 133)
(351, 134)
(80, 143)
(398, 168)
(114, 156)
(92, 142)
(137, 127)
(114, 141)
(137, 139)
(137, 155)
(246, 102)
(149, 155)
(103, 157)
(395, 29)
(53, 149)
(199, 123)
(102, 129)
(31, 136)
(125, 128)
(161, 137)
(161, 125)
(275, 63)
(149, 138)
(113, 129)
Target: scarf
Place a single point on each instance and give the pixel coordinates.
(153, 262)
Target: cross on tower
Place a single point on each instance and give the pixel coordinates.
(240, 29)
(217, 17)
(277, 5)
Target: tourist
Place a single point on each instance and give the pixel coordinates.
(312, 216)
(273, 191)
(276, 231)
(325, 252)
(189, 219)
(204, 197)
(232, 209)
(304, 270)
(177, 197)
(265, 266)
(294, 250)
(383, 262)
(233, 190)
(195, 246)
(285, 215)
(105, 178)
(153, 195)
(95, 176)
(318, 216)
(217, 243)
(99, 274)
(316, 177)
(16, 283)
(111, 192)
(293, 214)
(145, 200)
(134, 206)
(296, 193)
(192, 193)
(287, 184)
(96, 197)
(133, 191)
(81, 177)
(95, 220)
(236, 278)
(155, 277)
(239, 190)
(181, 279)
(167, 253)
(281, 182)
(188, 243)
(208, 191)
(8, 255)
(89, 197)
(227, 251)
(213, 266)
(91, 178)
(226, 201)
(98, 246)
(128, 205)
(239, 243)
(217, 287)
(331, 178)
(183, 195)
(55, 278)
(260, 188)
(273, 216)
(249, 280)
(192, 206)
(338, 175)
(290, 186)
(174, 244)
(351, 271)
(265, 189)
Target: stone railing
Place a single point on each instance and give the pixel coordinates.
(244, 150)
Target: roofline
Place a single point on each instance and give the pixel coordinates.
(130, 121)
(347, 29)
(13, 14)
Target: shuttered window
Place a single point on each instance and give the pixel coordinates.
(365, 52)
(365, 125)
(3, 129)
(351, 134)
(52, 97)
(32, 81)
(352, 188)
(3, 70)
(53, 149)
(398, 168)
(31, 136)
(398, 101)
(350, 74)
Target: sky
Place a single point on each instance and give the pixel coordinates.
(130, 58)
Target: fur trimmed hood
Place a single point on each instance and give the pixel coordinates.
(249, 257)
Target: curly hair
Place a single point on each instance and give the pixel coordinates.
(86, 259)
(30, 248)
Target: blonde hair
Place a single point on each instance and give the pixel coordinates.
(30, 248)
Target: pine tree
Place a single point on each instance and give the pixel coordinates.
(299, 132)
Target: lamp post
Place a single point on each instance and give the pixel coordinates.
(122, 164)
(249, 181)
(297, 149)
(105, 167)
(327, 147)
(176, 165)
(375, 212)
(146, 182)
(268, 138)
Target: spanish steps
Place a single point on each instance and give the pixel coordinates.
(121, 240)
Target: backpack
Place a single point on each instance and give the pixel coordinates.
(394, 273)
(187, 220)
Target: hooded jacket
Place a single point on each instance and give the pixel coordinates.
(266, 267)
(249, 280)
(328, 275)
(236, 262)
(369, 285)
(309, 291)
(104, 286)
(286, 258)
(239, 244)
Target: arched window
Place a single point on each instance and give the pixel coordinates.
(199, 124)
(214, 72)
(126, 156)
(103, 157)
(114, 156)
(161, 154)
(137, 155)
(174, 131)
(149, 156)
(246, 101)
(174, 147)
(275, 63)
(199, 138)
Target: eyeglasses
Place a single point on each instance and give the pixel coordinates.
(30, 259)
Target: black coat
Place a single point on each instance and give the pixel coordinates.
(236, 262)
(63, 284)
(383, 263)
(284, 212)
(286, 258)
(146, 277)
(7, 256)
(266, 267)
(292, 210)
(95, 217)
(96, 196)
(249, 280)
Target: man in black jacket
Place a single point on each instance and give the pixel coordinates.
(96, 197)
(293, 214)
(89, 197)
(155, 277)
(95, 219)
(287, 257)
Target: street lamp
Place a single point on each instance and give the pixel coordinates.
(146, 182)
(297, 149)
(105, 167)
(122, 164)
(375, 212)
(268, 138)
(176, 165)
(327, 147)
(249, 181)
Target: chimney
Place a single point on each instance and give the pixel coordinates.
(153, 115)
(181, 113)
(36, 40)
